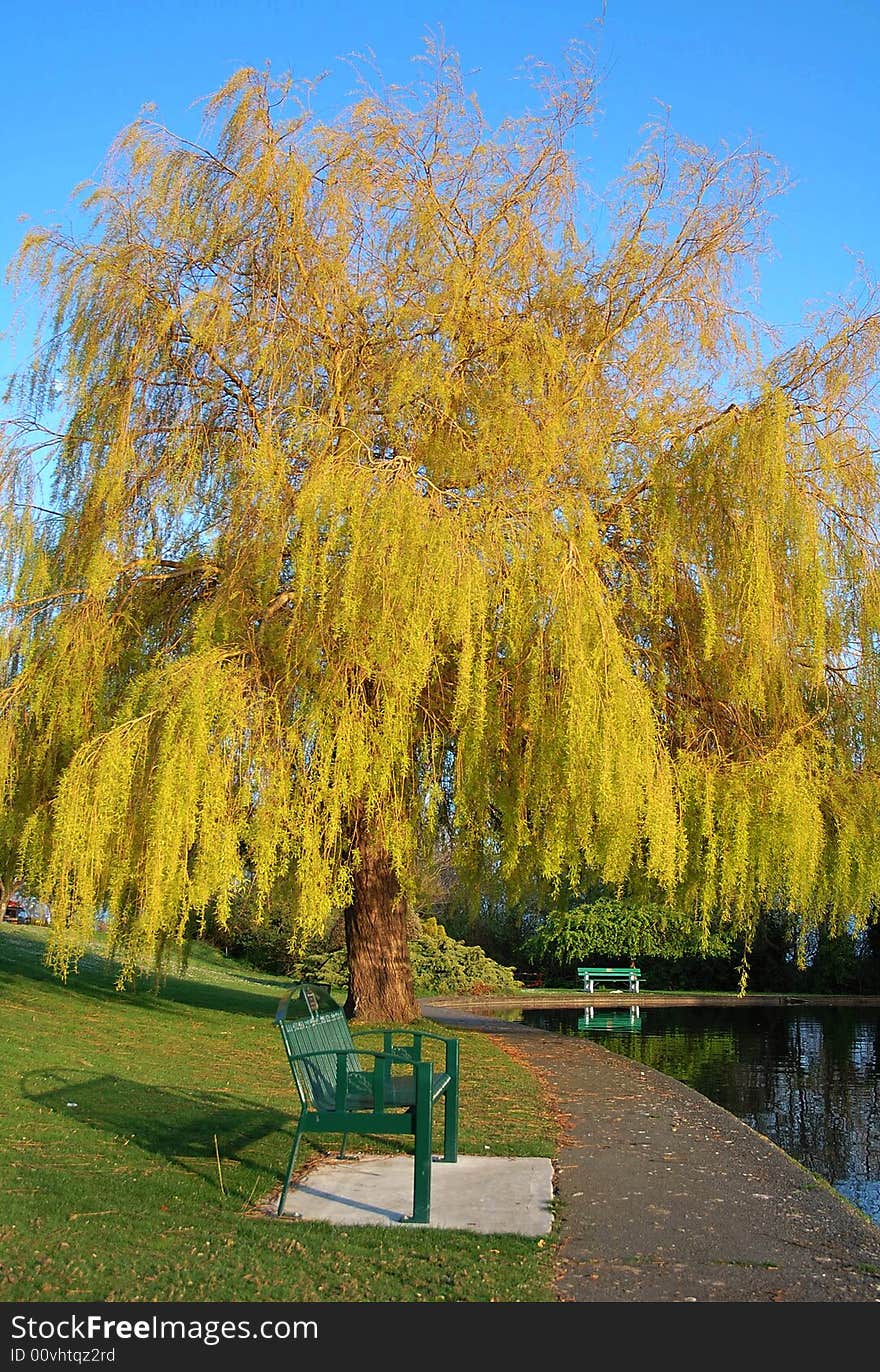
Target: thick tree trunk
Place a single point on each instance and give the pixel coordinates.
(380, 984)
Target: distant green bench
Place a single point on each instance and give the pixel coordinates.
(344, 1089)
(590, 975)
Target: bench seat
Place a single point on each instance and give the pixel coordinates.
(398, 1092)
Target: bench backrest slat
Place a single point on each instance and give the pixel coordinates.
(609, 971)
(327, 1033)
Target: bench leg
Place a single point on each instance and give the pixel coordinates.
(424, 1109)
(450, 1108)
(450, 1123)
(286, 1187)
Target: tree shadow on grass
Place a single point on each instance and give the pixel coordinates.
(180, 1126)
(96, 978)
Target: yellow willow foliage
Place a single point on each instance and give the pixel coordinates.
(384, 499)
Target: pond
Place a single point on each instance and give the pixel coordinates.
(807, 1077)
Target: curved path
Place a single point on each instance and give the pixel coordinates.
(665, 1196)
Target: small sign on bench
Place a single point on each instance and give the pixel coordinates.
(590, 975)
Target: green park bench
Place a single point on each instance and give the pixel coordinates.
(345, 1089)
(590, 975)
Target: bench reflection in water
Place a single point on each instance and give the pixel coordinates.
(594, 1020)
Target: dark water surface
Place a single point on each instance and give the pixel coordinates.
(807, 1077)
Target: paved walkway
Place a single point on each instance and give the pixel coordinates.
(665, 1196)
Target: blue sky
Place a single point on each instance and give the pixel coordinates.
(799, 78)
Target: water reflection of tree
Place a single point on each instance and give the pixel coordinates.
(703, 1061)
(816, 1092)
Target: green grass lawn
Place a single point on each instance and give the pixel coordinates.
(140, 1131)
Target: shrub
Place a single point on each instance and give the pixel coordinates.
(441, 966)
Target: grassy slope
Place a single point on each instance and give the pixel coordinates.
(110, 1188)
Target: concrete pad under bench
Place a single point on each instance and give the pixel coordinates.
(483, 1194)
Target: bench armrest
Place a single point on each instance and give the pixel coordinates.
(389, 1051)
(412, 1051)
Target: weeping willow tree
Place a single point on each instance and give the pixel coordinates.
(354, 490)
